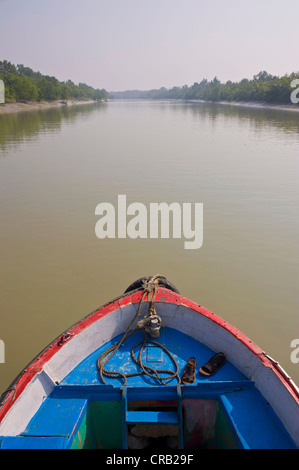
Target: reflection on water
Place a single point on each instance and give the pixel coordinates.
(240, 162)
(16, 128)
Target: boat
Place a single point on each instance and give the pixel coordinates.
(143, 372)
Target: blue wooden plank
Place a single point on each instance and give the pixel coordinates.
(253, 421)
(180, 416)
(57, 417)
(152, 417)
(124, 418)
(33, 442)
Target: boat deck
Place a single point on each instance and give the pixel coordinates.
(224, 410)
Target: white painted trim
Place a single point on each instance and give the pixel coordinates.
(25, 407)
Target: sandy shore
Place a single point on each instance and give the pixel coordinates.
(284, 107)
(35, 106)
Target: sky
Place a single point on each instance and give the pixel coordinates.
(145, 44)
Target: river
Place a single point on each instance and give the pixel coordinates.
(57, 165)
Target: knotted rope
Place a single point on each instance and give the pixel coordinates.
(150, 286)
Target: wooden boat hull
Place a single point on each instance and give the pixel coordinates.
(60, 400)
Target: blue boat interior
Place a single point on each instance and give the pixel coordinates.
(224, 410)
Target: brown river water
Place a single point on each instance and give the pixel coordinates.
(57, 165)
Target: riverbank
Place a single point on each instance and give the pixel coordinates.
(38, 105)
(252, 104)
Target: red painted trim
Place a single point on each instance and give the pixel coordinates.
(163, 295)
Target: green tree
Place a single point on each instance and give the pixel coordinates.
(24, 84)
(26, 90)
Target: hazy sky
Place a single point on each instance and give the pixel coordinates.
(144, 44)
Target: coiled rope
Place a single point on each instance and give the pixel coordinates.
(150, 286)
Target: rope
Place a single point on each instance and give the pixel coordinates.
(150, 286)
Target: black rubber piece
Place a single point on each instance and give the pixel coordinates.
(162, 282)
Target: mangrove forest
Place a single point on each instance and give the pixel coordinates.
(263, 88)
(24, 85)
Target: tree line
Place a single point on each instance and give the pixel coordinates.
(263, 87)
(23, 84)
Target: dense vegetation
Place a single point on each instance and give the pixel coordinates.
(263, 88)
(23, 84)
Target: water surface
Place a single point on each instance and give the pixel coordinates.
(56, 165)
